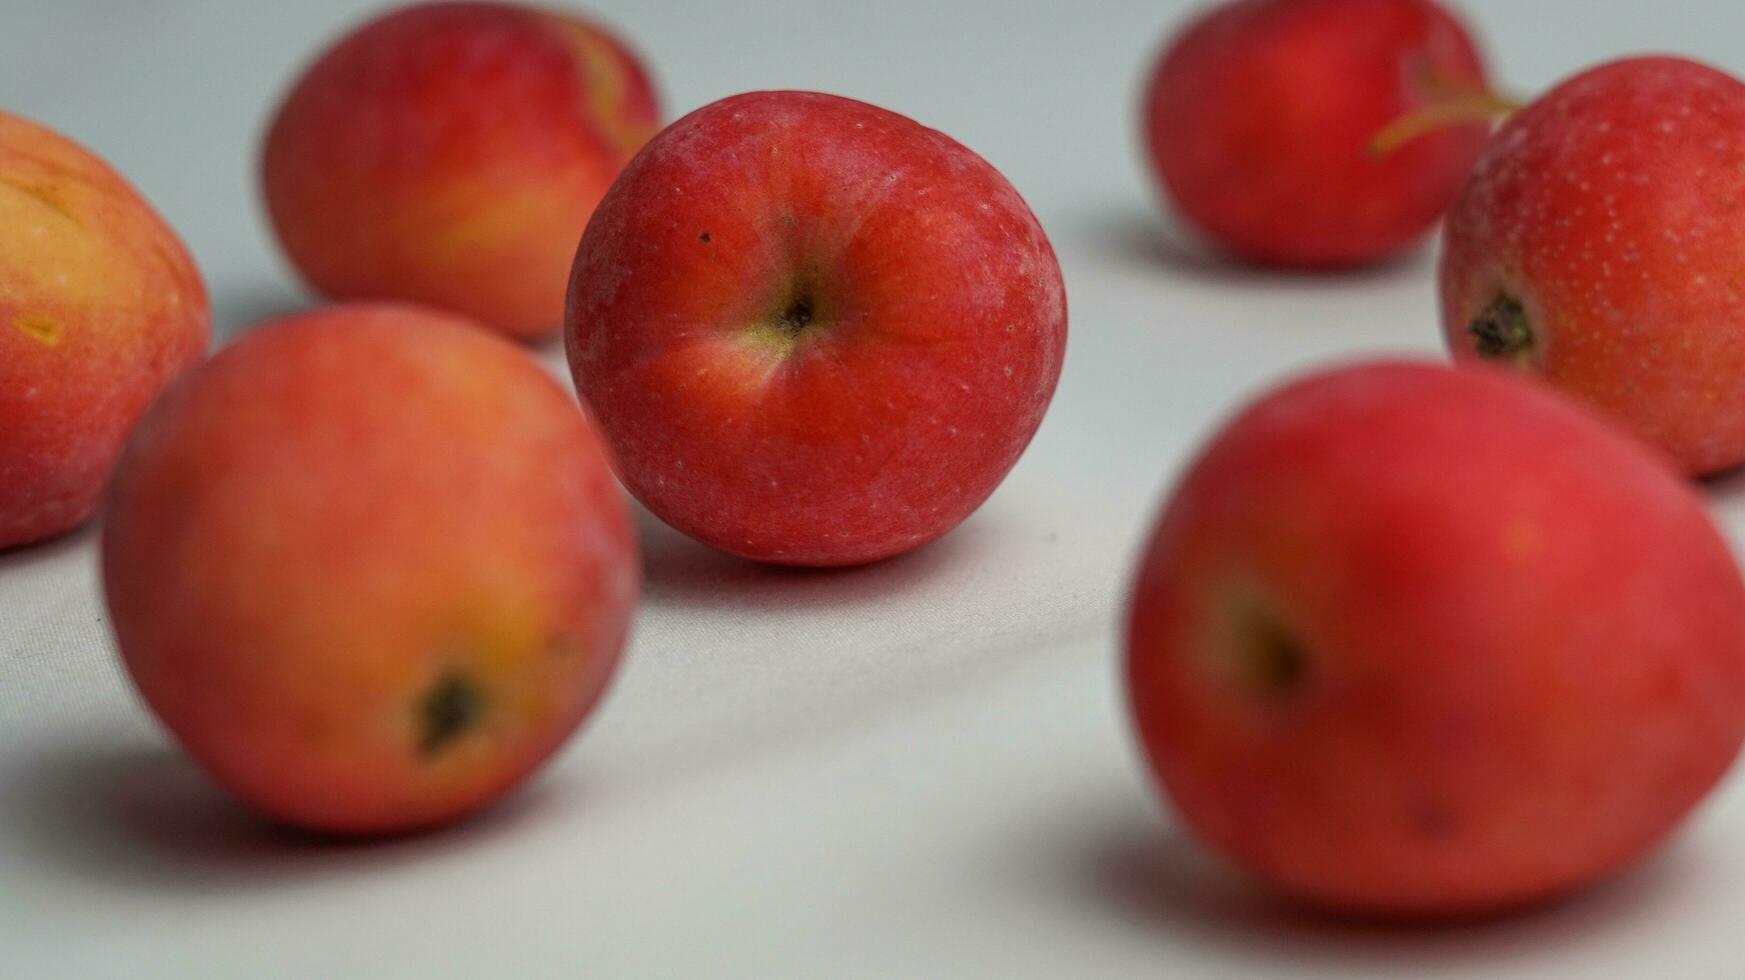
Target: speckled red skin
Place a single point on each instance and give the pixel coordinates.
(937, 328)
(450, 154)
(1613, 210)
(100, 307)
(1522, 643)
(335, 515)
(1259, 118)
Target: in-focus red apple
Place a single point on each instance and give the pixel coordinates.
(1599, 245)
(100, 307)
(450, 154)
(1262, 117)
(1413, 640)
(370, 567)
(815, 332)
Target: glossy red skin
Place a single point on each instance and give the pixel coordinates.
(1613, 210)
(100, 307)
(938, 337)
(450, 154)
(1524, 643)
(1259, 119)
(335, 514)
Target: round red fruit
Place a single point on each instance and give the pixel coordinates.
(450, 153)
(1422, 641)
(815, 332)
(1262, 121)
(1598, 245)
(370, 567)
(100, 309)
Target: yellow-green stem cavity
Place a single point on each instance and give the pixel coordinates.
(795, 313)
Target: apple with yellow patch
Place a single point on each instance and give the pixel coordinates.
(100, 307)
(370, 567)
(451, 154)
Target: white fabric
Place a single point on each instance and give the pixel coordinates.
(917, 769)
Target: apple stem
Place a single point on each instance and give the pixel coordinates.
(1454, 109)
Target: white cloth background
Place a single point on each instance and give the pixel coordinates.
(916, 769)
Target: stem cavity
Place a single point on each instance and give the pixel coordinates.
(1502, 332)
(450, 709)
(1275, 662)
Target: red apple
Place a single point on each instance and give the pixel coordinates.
(1598, 245)
(450, 154)
(1413, 640)
(1262, 117)
(815, 332)
(370, 567)
(100, 307)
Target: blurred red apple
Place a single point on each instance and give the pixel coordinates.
(450, 154)
(1413, 640)
(1262, 119)
(370, 567)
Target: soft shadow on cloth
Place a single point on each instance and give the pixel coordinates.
(681, 572)
(1147, 876)
(1142, 237)
(22, 561)
(141, 816)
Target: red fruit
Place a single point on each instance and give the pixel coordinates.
(1261, 121)
(370, 567)
(100, 307)
(815, 332)
(1420, 641)
(450, 153)
(1599, 245)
